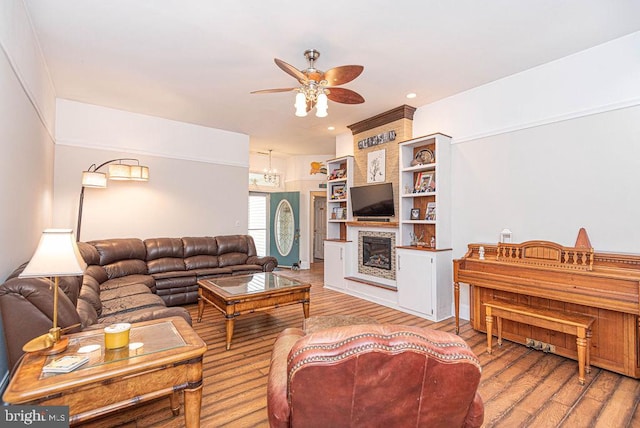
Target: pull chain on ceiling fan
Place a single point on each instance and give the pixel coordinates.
(317, 87)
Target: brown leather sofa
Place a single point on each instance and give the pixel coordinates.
(126, 280)
(373, 376)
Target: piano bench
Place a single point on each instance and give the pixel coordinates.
(575, 324)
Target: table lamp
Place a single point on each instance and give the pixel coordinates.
(57, 255)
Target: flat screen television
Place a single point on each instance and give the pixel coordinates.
(374, 200)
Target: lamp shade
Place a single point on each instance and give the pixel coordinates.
(94, 179)
(301, 105)
(118, 171)
(322, 105)
(57, 255)
(139, 173)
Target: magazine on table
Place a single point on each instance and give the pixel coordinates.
(65, 364)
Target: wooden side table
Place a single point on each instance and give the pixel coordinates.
(169, 361)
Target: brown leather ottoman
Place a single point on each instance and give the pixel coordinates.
(313, 324)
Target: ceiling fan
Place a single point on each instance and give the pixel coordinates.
(318, 86)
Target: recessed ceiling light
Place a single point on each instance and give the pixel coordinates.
(411, 95)
(331, 128)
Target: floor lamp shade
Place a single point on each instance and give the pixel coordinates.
(94, 179)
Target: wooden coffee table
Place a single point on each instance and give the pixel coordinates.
(169, 361)
(244, 294)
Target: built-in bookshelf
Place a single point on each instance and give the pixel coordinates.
(424, 265)
(425, 189)
(340, 179)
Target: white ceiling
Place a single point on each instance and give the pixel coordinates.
(197, 60)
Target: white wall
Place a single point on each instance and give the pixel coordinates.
(198, 176)
(547, 151)
(344, 144)
(26, 134)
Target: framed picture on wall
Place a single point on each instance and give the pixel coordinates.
(376, 166)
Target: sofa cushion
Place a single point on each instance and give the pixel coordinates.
(232, 244)
(128, 280)
(158, 248)
(146, 314)
(232, 259)
(97, 272)
(174, 274)
(243, 269)
(213, 272)
(113, 250)
(124, 291)
(87, 313)
(90, 293)
(130, 303)
(200, 245)
(164, 254)
(89, 253)
(125, 268)
(201, 261)
(165, 264)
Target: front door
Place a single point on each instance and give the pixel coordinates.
(284, 217)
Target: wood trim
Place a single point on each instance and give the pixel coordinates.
(388, 224)
(402, 112)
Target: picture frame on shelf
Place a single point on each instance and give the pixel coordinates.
(337, 174)
(415, 214)
(431, 186)
(338, 191)
(430, 214)
(424, 182)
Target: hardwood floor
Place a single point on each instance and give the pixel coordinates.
(520, 387)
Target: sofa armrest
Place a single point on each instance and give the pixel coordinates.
(26, 307)
(475, 416)
(277, 400)
(268, 263)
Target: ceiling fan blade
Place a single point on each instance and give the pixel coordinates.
(344, 96)
(291, 70)
(343, 74)
(271, 91)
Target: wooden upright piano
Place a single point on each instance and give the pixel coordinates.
(578, 280)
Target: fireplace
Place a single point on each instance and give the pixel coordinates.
(376, 252)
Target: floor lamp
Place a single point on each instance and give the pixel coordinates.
(118, 170)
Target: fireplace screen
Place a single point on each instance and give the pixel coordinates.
(376, 252)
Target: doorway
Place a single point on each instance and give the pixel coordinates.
(319, 223)
(284, 219)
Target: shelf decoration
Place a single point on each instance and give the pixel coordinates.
(338, 191)
(431, 212)
(337, 174)
(424, 156)
(425, 182)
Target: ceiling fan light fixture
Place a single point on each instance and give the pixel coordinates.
(322, 105)
(301, 105)
(317, 84)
